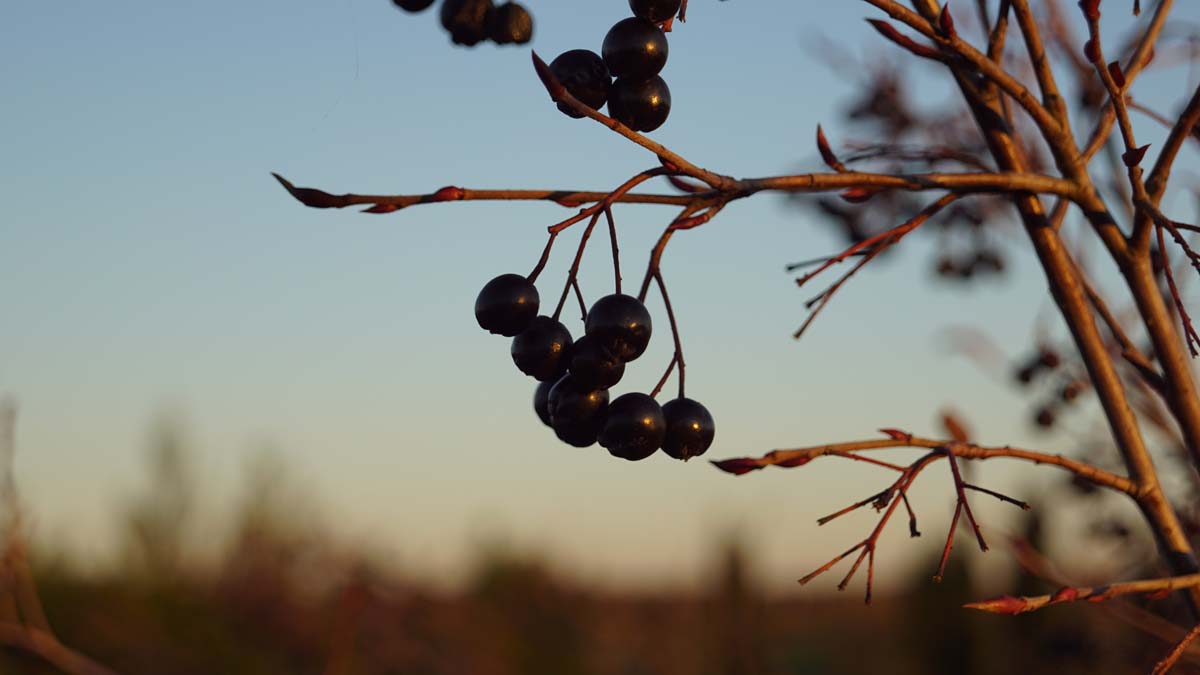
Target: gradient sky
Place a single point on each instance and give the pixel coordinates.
(150, 265)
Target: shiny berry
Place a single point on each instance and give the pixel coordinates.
(690, 428)
(583, 73)
(634, 48)
(620, 323)
(577, 411)
(467, 20)
(541, 401)
(641, 105)
(541, 350)
(510, 23)
(634, 427)
(506, 305)
(412, 5)
(655, 10)
(593, 364)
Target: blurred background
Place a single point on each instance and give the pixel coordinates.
(258, 438)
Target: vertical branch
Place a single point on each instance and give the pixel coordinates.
(1071, 299)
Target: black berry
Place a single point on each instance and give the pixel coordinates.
(412, 5)
(594, 364)
(641, 105)
(620, 323)
(467, 20)
(584, 74)
(577, 411)
(510, 23)
(634, 48)
(634, 427)
(1044, 417)
(541, 350)
(690, 428)
(655, 10)
(506, 305)
(541, 401)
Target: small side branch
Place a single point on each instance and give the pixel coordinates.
(1152, 588)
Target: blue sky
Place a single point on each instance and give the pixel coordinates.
(150, 264)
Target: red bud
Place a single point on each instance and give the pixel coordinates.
(1118, 76)
(896, 434)
(449, 193)
(1091, 9)
(1091, 51)
(794, 462)
(1065, 594)
(857, 195)
(946, 22)
(831, 159)
(1134, 156)
(737, 467)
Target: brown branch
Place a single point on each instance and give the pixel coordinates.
(798, 457)
(319, 199)
(1168, 662)
(1156, 184)
(1008, 604)
(870, 248)
(1141, 56)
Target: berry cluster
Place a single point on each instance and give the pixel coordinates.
(985, 260)
(574, 376)
(470, 22)
(634, 52)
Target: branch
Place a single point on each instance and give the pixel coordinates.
(1155, 588)
(798, 457)
(319, 199)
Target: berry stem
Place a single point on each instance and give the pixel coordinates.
(678, 358)
(541, 263)
(663, 380)
(579, 297)
(575, 264)
(612, 236)
(686, 220)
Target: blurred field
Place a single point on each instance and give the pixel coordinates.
(284, 598)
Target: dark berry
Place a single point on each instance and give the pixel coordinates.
(510, 23)
(1044, 417)
(506, 305)
(467, 20)
(584, 74)
(1048, 358)
(690, 428)
(621, 323)
(946, 267)
(412, 5)
(655, 10)
(1025, 374)
(634, 427)
(989, 260)
(541, 401)
(634, 48)
(593, 364)
(541, 350)
(1071, 391)
(577, 412)
(641, 105)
